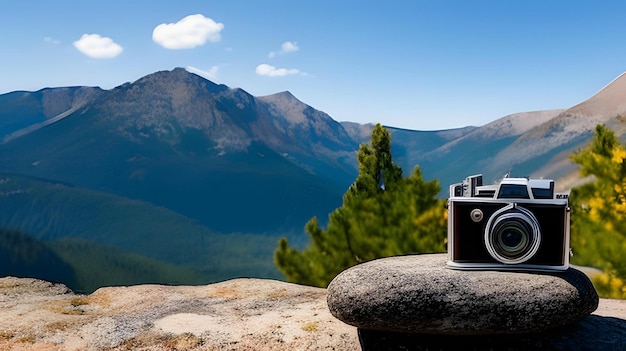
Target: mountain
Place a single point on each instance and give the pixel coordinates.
(536, 144)
(171, 168)
(308, 137)
(544, 149)
(174, 168)
(450, 155)
(573, 128)
(23, 112)
(474, 151)
(211, 153)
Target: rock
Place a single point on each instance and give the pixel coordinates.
(239, 314)
(418, 294)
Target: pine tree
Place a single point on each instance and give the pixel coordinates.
(598, 230)
(383, 214)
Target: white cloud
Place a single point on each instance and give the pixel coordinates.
(95, 46)
(286, 48)
(189, 32)
(210, 74)
(271, 71)
(289, 47)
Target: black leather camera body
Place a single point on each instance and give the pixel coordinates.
(515, 224)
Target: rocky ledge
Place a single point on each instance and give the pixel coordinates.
(239, 314)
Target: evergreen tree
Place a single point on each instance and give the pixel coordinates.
(383, 214)
(598, 230)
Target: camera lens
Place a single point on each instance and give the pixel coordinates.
(512, 235)
(512, 238)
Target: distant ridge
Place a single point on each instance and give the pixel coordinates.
(536, 143)
(511, 125)
(172, 103)
(567, 131)
(34, 127)
(39, 109)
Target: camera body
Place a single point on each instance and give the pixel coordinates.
(515, 224)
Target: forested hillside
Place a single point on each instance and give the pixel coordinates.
(104, 239)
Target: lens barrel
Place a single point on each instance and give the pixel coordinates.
(512, 235)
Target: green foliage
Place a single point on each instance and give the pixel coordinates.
(85, 266)
(598, 230)
(111, 240)
(97, 265)
(26, 257)
(609, 286)
(383, 214)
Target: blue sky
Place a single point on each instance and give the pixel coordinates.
(422, 65)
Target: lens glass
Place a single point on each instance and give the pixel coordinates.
(511, 239)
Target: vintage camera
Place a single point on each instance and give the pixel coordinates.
(514, 224)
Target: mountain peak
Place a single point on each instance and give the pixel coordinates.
(167, 103)
(291, 108)
(285, 95)
(609, 102)
(313, 130)
(282, 98)
(177, 76)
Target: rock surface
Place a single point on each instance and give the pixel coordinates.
(239, 314)
(418, 294)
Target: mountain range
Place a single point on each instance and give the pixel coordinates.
(533, 144)
(174, 165)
